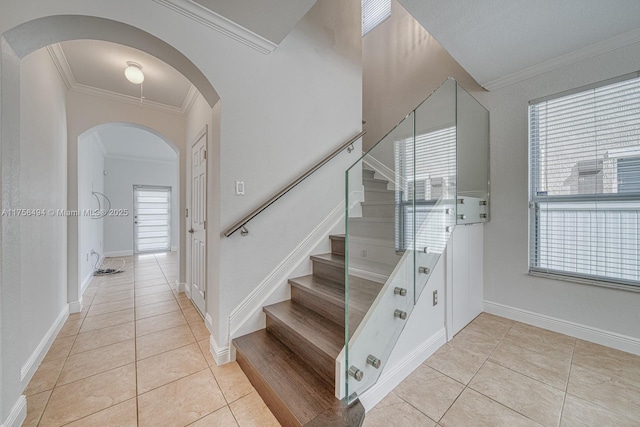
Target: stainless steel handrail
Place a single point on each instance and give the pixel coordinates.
(240, 225)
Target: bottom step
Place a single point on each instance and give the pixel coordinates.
(296, 395)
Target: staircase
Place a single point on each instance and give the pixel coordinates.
(292, 363)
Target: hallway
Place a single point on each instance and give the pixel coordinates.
(138, 354)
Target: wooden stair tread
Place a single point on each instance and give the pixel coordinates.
(324, 334)
(362, 293)
(283, 380)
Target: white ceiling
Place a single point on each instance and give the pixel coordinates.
(500, 42)
(126, 141)
(99, 65)
(271, 19)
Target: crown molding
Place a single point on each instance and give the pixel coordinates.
(189, 100)
(127, 99)
(62, 65)
(596, 49)
(210, 19)
(64, 69)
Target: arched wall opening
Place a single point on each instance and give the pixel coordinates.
(81, 114)
(33, 35)
(113, 159)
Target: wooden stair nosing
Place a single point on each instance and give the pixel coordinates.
(329, 259)
(293, 392)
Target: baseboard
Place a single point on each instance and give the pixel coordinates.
(394, 375)
(32, 363)
(278, 278)
(583, 332)
(220, 354)
(174, 249)
(87, 280)
(75, 306)
(114, 254)
(18, 413)
(208, 322)
(186, 290)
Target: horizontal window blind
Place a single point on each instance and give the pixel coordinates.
(373, 13)
(585, 183)
(429, 166)
(153, 219)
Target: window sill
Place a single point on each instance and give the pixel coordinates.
(585, 281)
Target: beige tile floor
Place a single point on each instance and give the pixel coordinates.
(138, 355)
(497, 372)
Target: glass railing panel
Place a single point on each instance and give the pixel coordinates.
(472, 159)
(404, 198)
(379, 271)
(435, 182)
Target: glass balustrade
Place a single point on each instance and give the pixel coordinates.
(402, 204)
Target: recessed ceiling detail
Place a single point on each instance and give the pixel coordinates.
(501, 42)
(97, 68)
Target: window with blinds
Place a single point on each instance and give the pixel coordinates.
(585, 183)
(152, 210)
(429, 168)
(373, 13)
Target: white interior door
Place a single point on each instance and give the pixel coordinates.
(198, 216)
(152, 218)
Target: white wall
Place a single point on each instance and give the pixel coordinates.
(285, 112)
(401, 65)
(122, 175)
(43, 185)
(90, 179)
(43, 248)
(10, 295)
(506, 235)
(86, 112)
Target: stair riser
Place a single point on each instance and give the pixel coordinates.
(370, 184)
(319, 362)
(270, 398)
(372, 230)
(377, 196)
(378, 211)
(337, 246)
(328, 272)
(328, 309)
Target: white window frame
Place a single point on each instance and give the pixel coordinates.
(374, 13)
(621, 200)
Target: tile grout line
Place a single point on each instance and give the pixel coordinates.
(484, 363)
(466, 386)
(135, 345)
(63, 365)
(566, 390)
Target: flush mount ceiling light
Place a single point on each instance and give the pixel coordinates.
(133, 73)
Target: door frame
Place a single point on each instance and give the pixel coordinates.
(171, 214)
(203, 133)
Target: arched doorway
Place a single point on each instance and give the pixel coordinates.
(15, 45)
(113, 160)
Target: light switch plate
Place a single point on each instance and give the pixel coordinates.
(239, 188)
